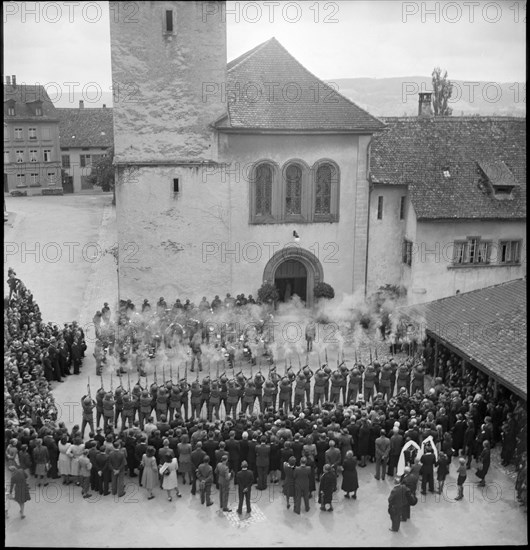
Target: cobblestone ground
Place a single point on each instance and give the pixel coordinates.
(58, 516)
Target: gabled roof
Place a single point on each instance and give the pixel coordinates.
(25, 97)
(86, 127)
(488, 326)
(268, 89)
(416, 150)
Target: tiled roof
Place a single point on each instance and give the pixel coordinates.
(91, 127)
(416, 150)
(268, 89)
(24, 96)
(487, 325)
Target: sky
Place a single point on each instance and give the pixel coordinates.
(66, 45)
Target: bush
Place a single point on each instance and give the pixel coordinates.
(18, 193)
(268, 294)
(323, 290)
(53, 191)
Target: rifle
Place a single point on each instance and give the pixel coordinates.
(209, 368)
(101, 376)
(88, 388)
(217, 373)
(356, 357)
(171, 372)
(155, 376)
(299, 363)
(111, 388)
(163, 374)
(129, 381)
(269, 373)
(186, 372)
(178, 373)
(285, 367)
(197, 374)
(370, 355)
(319, 362)
(251, 368)
(375, 352)
(326, 352)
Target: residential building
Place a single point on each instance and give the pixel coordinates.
(31, 139)
(85, 136)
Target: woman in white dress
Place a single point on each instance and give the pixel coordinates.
(74, 452)
(65, 462)
(168, 471)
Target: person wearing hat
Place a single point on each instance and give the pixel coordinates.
(88, 404)
(399, 497)
(382, 451)
(84, 472)
(328, 485)
(354, 383)
(285, 395)
(370, 376)
(222, 474)
(428, 461)
(336, 385)
(418, 379)
(20, 486)
(245, 480)
(288, 474)
(483, 463)
(302, 476)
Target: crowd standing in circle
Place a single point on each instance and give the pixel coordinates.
(308, 431)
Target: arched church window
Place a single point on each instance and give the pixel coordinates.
(325, 176)
(263, 190)
(293, 190)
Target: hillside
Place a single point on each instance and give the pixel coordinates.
(399, 96)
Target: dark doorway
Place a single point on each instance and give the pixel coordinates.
(6, 184)
(68, 184)
(291, 278)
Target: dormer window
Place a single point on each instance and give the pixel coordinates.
(497, 179)
(10, 107)
(38, 111)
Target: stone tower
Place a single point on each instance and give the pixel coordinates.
(164, 54)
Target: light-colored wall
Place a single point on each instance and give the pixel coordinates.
(76, 170)
(161, 110)
(432, 269)
(386, 236)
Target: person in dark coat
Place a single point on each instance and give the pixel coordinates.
(275, 462)
(410, 479)
(245, 480)
(328, 485)
(484, 461)
(288, 476)
(322, 446)
(263, 452)
(301, 485)
(350, 481)
(363, 447)
(399, 496)
(458, 431)
(310, 461)
(20, 487)
(428, 461)
(443, 470)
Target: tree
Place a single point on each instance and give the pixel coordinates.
(102, 173)
(268, 294)
(323, 290)
(442, 90)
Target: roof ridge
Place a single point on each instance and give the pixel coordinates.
(247, 55)
(456, 118)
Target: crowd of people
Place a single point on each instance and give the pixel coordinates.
(309, 431)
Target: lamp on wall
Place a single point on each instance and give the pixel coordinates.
(296, 237)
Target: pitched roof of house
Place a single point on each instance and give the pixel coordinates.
(488, 326)
(25, 96)
(415, 151)
(268, 89)
(86, 127)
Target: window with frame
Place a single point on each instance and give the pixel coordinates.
(18, 133)
(51, 178)
(402, 208)
(47, 155)
(32, 133)
(325, 173)
(263, 177)
(407, 252)
(46, 133)
(33, 155)
(85, 160)
(509, 252)
(34, 179)
(21, 180)
(379, 208)
(472, 251)
(6, 157)
(293, 190)
(11, 110)
(20, 155)
(65, 159)
(38, 111)
(6, 133)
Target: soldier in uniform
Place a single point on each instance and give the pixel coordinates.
(393, 374)
(241, 381)
(195, 399)
(215, 400)
(403, 379)
(377, 369)
(344, 384)
(145, 407)
(248, 397)
(184, 400)
(327, 385)
(153, 391)
(118, 397)
(318, 389)
(108, 409)
(99, 405)
(310, 333)
(275, 379)
(174, 401)
(299, 390)
(354, 384)
(196, 352)
(223, 391)
(285, 395)
(135, 398)
(369, 381)
(233, 398)
(88, 405)
(336, 385)
(308, 373)
(259, 380)
(384, 384)
(268, 391)
(162, 399)
(127, 415)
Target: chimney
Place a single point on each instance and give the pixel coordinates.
(81, 104)
(104, 106)
(424, 105)
(14, 80)
(8, 80)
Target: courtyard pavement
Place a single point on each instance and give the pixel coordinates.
(74, 287)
